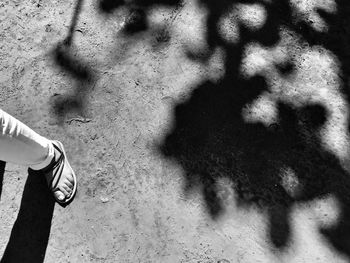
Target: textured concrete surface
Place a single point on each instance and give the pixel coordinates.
(200, 131)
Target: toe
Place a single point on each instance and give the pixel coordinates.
(59, 195)
(67, 189)
(68, 184)
(64, 190)
(68, 175)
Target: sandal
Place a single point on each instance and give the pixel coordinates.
(54, 175)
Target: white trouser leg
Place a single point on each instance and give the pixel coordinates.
(21, 145)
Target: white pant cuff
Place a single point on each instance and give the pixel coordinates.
(47, 161)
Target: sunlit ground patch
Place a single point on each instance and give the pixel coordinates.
(307, 11)
(314, 78)
(252, 16)
(290, 182)
(190, 26)
(262, 110)
(229, 28)
(306, 222)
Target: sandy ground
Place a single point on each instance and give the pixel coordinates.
(200, 131)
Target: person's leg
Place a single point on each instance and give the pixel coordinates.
(21, 145)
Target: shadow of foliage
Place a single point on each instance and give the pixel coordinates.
(80, 71)
(137, 20)
(211, 140)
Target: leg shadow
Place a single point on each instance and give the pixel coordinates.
(31, 231)
(2, 171)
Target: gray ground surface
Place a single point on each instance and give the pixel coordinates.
(200, 131)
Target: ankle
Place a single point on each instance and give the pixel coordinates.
(47, 159)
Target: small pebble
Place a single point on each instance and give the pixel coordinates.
(48, 28)
(104, 199)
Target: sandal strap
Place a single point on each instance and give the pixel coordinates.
(57, 169)
(53, 164)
